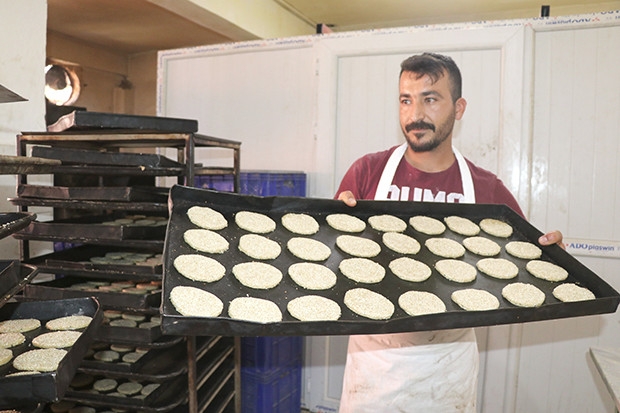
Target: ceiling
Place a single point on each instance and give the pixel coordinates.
(136, 26)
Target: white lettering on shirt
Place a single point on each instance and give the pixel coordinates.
(423, 195)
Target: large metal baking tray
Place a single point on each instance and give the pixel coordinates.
(85, 120)
(47, 387)
(134, 335)
(90, 157)
(75, 261)
(95, 193)
(90, 205)
(228, 288)
(14, 276)
(11, 222)
(62, 288)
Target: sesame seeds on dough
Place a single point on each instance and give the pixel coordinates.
(6, 355)
(70, 322)
(358, 246)
(302, 224)
(259, 247)
(471, 299)
(523, 295)
(258, 275)
(417, 303)
(362, 270)
(56, 339)
(308, 249)
(427, 225)
(500, 268)
(482, 246)
(312, 276)
(368, 304)
(205, 240)
(457, 271)
(19, 325)
(546, 270)
(8, 340)
(254, 309)
(207, 218)
(197, 267)
(254, 222)
(409, 269)
(194, 302)
(345, 223)
(462, 225)
(401, 243)
(570, 292)
(314, 308)
(46, 359)
(496, 227)
(445, 247)
(522, 249)
(387, 223)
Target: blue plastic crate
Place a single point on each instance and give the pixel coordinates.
(257, 183)
(278, 392)
(266, 354)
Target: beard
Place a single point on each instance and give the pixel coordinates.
(438, 134)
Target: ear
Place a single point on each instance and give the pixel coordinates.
(460, 106)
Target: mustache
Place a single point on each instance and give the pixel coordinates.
(419, 125)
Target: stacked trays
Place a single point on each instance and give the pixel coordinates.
(228, 288)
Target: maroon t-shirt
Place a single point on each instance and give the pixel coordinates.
(411, 184)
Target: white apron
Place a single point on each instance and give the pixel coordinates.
(427, 371)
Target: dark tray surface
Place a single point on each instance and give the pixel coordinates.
(46, 387)
(95, 193)
(13, 277)
(107, 295)
(182, 198)
(90, 157)
(11, 222)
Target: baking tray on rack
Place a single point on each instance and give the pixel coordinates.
(11, 222)
(90, 157)
(95, 193)
(129, 297)
(51, 386)
(135, 334)
(14, 276)
(86, 120)
(78, 261)
(228, 288)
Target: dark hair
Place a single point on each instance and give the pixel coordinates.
(435, 66)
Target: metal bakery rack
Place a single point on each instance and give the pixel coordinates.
(108, 203)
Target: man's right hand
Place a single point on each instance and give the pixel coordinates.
(348, 198)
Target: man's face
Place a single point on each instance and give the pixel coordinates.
(427, 111)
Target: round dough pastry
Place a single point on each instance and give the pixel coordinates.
(362, 270)
(462, 225)
(401, 243)
(197, 267)
(8, 340)
(546, 270)
(301, 224)
(409, 269)
(482, 246)
(254, 309)
(70, 322)
(570, 292)
(523, 295)
(194, 302)
(258, 275)
(255, 222)
(522, 249)
(417, 303)
(445, 247)
(6, 355)
(312, 276)
(259, 247)
(207, 218)
(46, 359)
(496, 227)
(56, 339)
(107, 356)
(427, 225)
(19, 325)
(368, 304)
(472, 299)
(387, 223)
(500, 268)
(314, 308)
(308, 249)
(345, 223)
(205, 240)
(457, 271)
(358, 246)
(105, 385)
(129, 388)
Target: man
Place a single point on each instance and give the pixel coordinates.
(433, 371)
